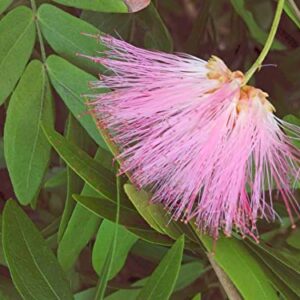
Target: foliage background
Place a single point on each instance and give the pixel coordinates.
(71, 229)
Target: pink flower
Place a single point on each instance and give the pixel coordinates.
(206, 147)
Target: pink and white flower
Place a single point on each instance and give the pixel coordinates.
(207, 147)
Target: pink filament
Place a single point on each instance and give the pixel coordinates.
(181, 136)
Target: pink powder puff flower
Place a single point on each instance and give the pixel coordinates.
(186, 129)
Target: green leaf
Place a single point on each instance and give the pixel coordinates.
(145, 28)
(154, 215)
(285, 292)
(184, 279)
(111, 253)
(74, 185)
(97, 5)
(128, 294)
(241, 267)
(33, 267)
(157, 217)
(188, 273)
(294, 239)
(156, 34)
(151, 236)
(110, 23)
(63, 33)
(197, 297)
(278, 284)
(128, 217)
(71, 83)
(287, 270)
(292, 11)
(81, 228)
(76, 236)
(17, 35)
(125, 240)
(51, 228)
(99, 178)
(115, 6)
(280, 255)
(140, 200)
(4, 4)
(107, 209)
(58, 178)
(292, 119)
(296, 121)
(148, 251)
(256, 32)
(26, 149)
(162, 281)
(77, 135)
(86, 294)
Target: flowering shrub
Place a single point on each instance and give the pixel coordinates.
(149, 150)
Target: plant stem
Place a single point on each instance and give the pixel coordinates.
(268, 43)
(39, 33)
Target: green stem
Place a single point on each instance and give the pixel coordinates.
(39, 33)
(268, 43)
